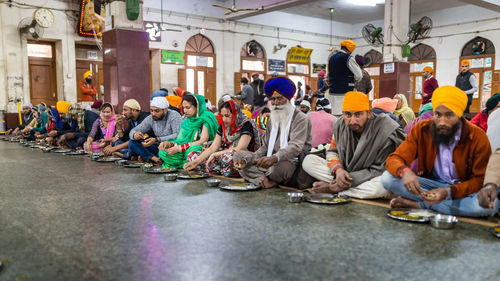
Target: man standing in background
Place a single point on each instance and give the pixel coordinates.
(343, 71)
(467, 82)
(430, 84)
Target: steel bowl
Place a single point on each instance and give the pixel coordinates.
(46, 149)
(213, 182)
(443, 221)
(170, 177)
(121, 162)
(295, 197)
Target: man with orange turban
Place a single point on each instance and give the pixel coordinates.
(360, 144)
(343, 71)
(451, 157)
(467, 82)
(429, 86)
(88, 90)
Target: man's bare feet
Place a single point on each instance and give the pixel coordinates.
(321, 187)
(117, 154)
(400, 202)
(155, 160)
(267, 183)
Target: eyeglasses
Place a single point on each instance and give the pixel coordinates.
(465, 66)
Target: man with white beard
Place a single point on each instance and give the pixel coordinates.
(284, 144)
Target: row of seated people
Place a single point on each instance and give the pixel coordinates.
(441, 164)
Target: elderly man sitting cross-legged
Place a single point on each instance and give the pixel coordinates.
(285, 142)
(451, 158)
(360, 144)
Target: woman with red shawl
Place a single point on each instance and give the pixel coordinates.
(236, 133)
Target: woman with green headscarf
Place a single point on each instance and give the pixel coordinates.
(198, 127)
(403, 111)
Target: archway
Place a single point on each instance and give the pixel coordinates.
(199, 73)
(481, 54)
(421, 55)
(252, 60)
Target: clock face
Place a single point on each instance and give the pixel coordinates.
(44, 17)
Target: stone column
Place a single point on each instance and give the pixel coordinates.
(394, 72)
(125, 58)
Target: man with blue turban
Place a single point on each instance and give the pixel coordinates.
(287, 138)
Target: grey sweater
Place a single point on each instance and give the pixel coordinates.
(165, 129)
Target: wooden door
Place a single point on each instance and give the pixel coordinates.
(96, 67)
(151, 71)
(476, 100)
(43, 86)
(495, 82)
(210, 85)
(416, 84)
(237, 82)
(181, 78)
(314, 84)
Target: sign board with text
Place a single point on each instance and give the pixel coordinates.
(299, 55)
(172, 57)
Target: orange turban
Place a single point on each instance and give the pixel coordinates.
(428, 69)
(349, 45)
(355, 101)
(386, 104)
(465, 62)
(63, 107)
(174, 101)
(451, 97)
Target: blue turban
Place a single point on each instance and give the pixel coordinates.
(159, 93)
(281, 85)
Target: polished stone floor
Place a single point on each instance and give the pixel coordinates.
(68, 218)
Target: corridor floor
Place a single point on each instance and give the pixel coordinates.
(68, 218)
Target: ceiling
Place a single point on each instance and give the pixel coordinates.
(347, 12)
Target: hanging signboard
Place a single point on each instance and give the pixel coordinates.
(299, 55)
(172, 57)
(276, 65)
(319, 67)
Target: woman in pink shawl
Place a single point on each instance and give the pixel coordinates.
(103, 130)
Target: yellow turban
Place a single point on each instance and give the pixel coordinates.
(349, 44)
(465, 62)
(428, 69)
(86, 74)
(452, 97)
(174, 101)
(63, 107)
(247, 113)
(355, 101)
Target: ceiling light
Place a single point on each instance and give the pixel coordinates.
(367, 2)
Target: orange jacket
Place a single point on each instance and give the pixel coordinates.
(470, 156)
(89, 92)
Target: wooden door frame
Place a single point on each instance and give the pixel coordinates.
(200, 68)
(52, 62)
(253, 71)
(481, 77)
(414, 75)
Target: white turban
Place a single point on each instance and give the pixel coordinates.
(160, 102)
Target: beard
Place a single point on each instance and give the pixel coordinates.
(159, 117)
(280, 113)
(447, 137)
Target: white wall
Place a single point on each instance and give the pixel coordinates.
(447, 38)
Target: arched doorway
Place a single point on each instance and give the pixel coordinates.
(421, 55)
(481, 54)
(252, 60)
(375, 58)
(199, 75)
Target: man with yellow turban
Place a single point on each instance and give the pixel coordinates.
(343, 71)
(451, 157)
(467, 82)
(360, 144)
(88, 90)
